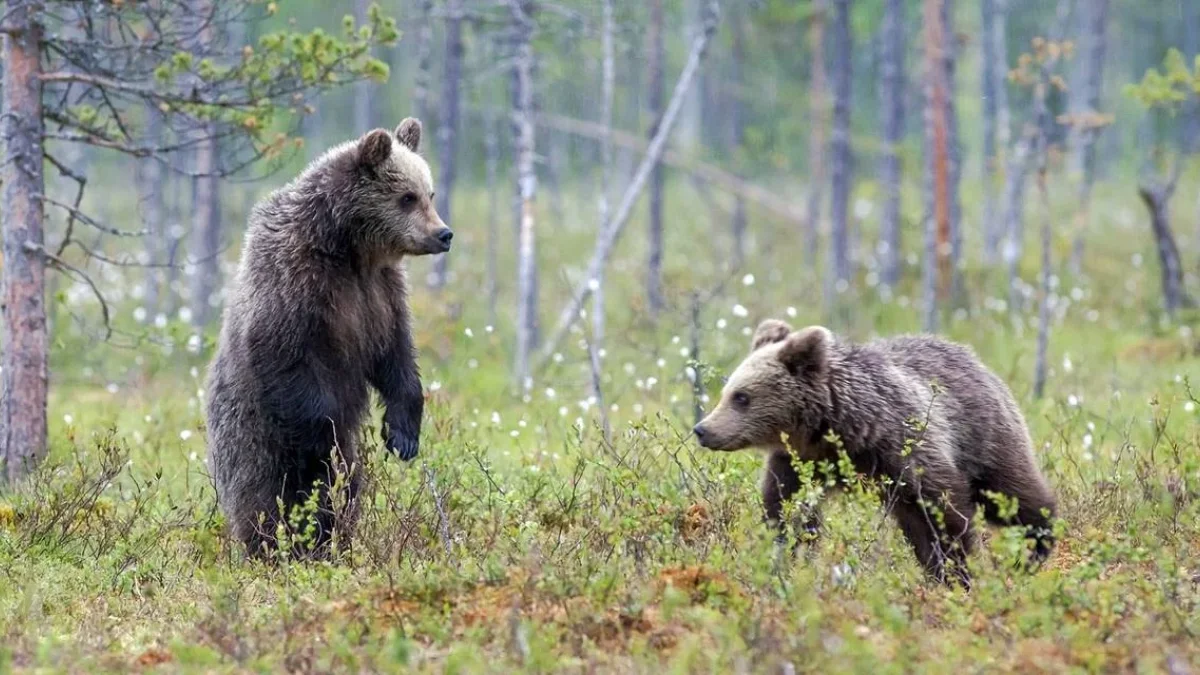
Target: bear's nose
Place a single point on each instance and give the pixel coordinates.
(699, 430)
(445, 235)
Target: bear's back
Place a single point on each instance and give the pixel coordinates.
(979, 410)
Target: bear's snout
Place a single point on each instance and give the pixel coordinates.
(444, 236)
(700, 432)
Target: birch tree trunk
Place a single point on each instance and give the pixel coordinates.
(1085, 107)
(448, 129)
(838, 274)
(22, 284)
(523, 121)
(937, 165)
(892, 98)
(654, 99)
(818, 96)
(608, 78)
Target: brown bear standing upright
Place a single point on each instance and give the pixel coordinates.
(318, 313)
(920, 411)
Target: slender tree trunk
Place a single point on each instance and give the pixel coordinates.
(608, 79)
(818, 132)
(892, 98)
(523, 114)
(1043, 332)
(738, 130)
(153, 189)
(1085, 105)
(1156, 195)
(448, 130)
(954, 149)
(1022, 161)
(206, 233)
(424, 48)
(996, 134)
(25, 343)
(364, 92)
(838, 275)
(491, 144)
(654, 99)
(938, 171)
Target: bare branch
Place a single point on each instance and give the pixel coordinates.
(88, 220)
(612, 230)
(70, 269)
(82, 181)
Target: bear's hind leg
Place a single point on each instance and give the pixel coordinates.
(939, 534)
(1036, 507)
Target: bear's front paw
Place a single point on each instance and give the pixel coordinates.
(404, 445)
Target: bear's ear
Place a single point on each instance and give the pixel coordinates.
(769, 332)
(806, 351)
(409, 133)
(375, 148)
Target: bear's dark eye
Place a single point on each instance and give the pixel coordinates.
(409, 200)
(741, 399)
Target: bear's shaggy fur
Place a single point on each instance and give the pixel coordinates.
(918, 410)
(317, 314)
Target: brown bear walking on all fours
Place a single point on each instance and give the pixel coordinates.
(319, 313)
(920, 411)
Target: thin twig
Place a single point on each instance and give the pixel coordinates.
(68, 268)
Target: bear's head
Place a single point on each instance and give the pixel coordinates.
(393, 197)
(781, 387)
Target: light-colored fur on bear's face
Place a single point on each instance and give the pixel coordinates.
(780, 388)
(396, 197)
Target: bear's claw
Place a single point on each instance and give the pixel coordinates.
(405, 448)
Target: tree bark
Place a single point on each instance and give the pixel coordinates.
(1156, 195)
(523, 120)
(892, 98)
(737, 124)
(608, 78)
(654, 100)
(204, 247)
(954, 149)
(25, 342)
(424, 49)
(818, 97)
(838, 274)
(937, 164)
(1085, 104)
(491, 145)
(364, 92)
(205, 243)
(611, 234)
(1043, 332)
(153, 190)
(448, 129)
(996, 121)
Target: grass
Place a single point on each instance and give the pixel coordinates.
(520, 542)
